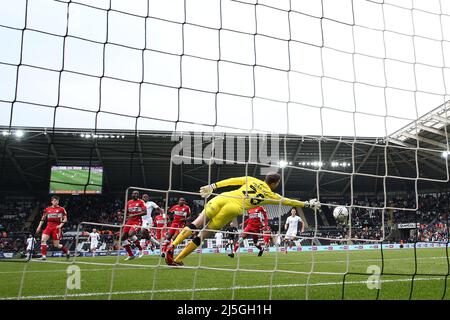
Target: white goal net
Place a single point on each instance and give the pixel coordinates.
(346, 99)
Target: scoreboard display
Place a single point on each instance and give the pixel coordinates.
(76, 180)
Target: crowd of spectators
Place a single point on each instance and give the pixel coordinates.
(13, 214)
(434, 232)
(432, 214)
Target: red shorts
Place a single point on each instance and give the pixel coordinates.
(175, 228)
(161, 233)
(252, 229)
(266, 239)
(53, 232)
(132, 226)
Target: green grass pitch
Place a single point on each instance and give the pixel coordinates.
(246, 277)
(78, 177)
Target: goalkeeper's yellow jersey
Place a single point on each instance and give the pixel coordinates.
(254, 192)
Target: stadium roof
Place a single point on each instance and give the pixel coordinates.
(143, 160)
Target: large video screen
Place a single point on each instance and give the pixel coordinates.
(74, 180)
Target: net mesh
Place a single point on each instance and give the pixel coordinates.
(278, 67)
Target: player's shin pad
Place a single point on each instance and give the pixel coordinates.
(191, 246)
(185, 233)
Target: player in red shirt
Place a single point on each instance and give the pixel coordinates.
(56, 218)
(135, 210)
(267, 231)
(255, 223)
(178, 215)
(160, 224)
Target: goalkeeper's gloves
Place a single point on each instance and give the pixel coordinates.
(207, 190)
(313, 204)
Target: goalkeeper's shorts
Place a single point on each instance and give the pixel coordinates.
(221, 211)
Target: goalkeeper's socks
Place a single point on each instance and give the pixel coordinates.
(44, 250)
(185, 233)
(192, 245)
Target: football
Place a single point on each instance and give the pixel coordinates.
(340, 213)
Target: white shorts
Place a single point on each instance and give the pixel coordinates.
(94, 245)
(291, 233)
(146, 224)
(29, 248)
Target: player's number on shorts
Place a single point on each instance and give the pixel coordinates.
(254, 201)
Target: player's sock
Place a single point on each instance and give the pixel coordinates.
(64, 250)
(136, 242)
(44, 250)
(126, 245)
(154, 241)
(236, 247)
(128, 250)
(138, 245)
(192, 245)
(185, 233)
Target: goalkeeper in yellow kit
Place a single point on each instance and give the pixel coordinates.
(222, 209)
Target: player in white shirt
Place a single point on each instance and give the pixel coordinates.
(291, 228)
(147, 220)
(278, 240)
(30, 246)
(94, 238)
(219, 237)
(144, 244)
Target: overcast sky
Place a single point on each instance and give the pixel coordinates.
(228, 64)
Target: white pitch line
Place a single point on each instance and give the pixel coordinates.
(145, 266)
(64, 271)
(259, 264)
(93, 294)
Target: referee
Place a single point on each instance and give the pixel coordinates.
(231, 235)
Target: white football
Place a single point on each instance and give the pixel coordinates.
(340, 213)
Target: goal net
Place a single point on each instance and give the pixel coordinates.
(346, 99)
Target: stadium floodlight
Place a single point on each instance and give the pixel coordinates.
(283, 163)
(19, 133)
(445, 154)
